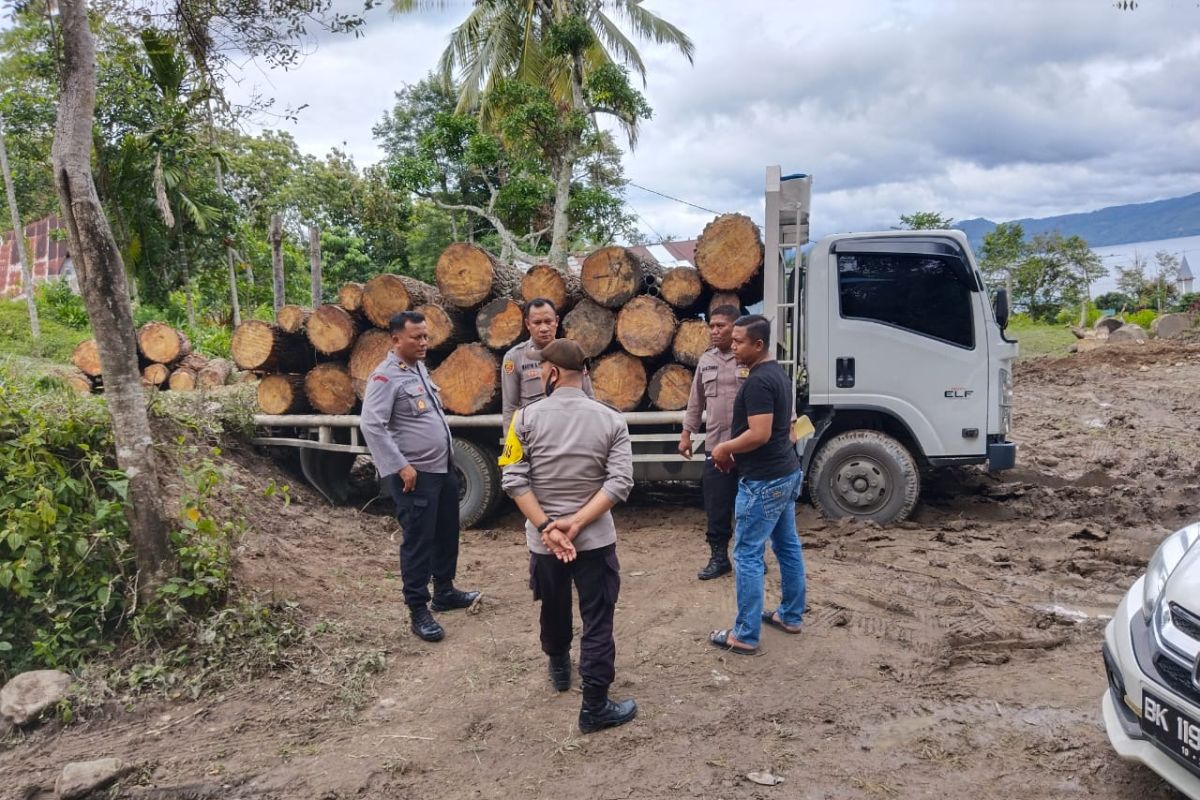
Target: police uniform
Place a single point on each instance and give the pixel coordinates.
(405, 425)
(716, 383)
(565, 448)
(521, 379)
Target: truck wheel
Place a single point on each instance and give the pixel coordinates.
(865, 474)
(479, 489)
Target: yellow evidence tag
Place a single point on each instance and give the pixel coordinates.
(512, 452)
(803, 427)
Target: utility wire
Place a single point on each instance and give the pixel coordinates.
(675, 199)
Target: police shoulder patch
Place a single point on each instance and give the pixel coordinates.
(509, 366)
(743, 372)
(380, 378)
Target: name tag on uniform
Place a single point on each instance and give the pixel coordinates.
(421, 404)
(533, 373)
(743, 372)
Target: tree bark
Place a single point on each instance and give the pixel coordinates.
(275, 234)
(214, 373)
(562, 220)
(314, 257)
(35, 326)
(106, 294)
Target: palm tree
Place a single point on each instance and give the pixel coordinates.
(560, 45)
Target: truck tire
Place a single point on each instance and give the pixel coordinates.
(479, 489)
(865, 474)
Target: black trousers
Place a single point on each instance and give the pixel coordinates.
(429, 517)
(720, 495)
(597, 577)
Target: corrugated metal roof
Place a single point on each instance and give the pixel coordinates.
(47, 250)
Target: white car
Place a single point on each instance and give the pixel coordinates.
(1152, 656)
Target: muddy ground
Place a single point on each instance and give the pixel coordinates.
(955, 656)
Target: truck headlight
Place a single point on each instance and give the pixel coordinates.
(1164, 562)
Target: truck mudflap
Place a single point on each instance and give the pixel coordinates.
(1001, 456)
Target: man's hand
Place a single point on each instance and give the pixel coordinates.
(559, 544)
(722, 456)
(685, 444)
(567, 526)
(409, 476)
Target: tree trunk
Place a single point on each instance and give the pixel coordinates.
(500, 323)
(645, 326)
(215, 373)
(314, 257)
(332, 330)
(619, 379)
(469, 379)
(670, 387)
(261, 347)
(275, 235)
(156, 374)
(691, 340)
(467, 275)
(386, 295)
(329, 388)
(233, 292)
(369, 352)
(729, 253)
(87, 357)
(612, 276)
(282, 393)
(106, 295)
(35, 326)
(447, 327)
(559, 287)
(591, 326)
(183, 379)
(559, 236)
(161, 343)
(681, 287)
(292, 318)
(350, 297)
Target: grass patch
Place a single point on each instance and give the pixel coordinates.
(56, 344)
(1038, 339)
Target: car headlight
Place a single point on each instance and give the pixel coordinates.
(1165, 560)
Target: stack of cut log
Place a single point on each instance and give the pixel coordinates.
(165, 357)
(642, 326)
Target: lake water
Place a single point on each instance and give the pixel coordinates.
(1122, 255)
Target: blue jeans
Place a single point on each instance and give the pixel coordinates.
(767, 510)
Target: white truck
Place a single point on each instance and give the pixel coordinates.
(896, 355)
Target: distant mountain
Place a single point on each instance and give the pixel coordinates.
(1138, 222)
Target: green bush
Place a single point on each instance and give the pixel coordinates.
(56, 301)
(1144, 318)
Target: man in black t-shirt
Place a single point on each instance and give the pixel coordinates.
(766, 500)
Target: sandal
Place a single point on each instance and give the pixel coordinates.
(720, 639)
(772, 618)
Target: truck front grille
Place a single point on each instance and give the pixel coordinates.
(1177, 677)
(1185, 621)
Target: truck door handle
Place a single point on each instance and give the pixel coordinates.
(844, 373)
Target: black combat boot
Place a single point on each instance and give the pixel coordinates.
(718, 564)
(560, 672)
(424, 625)
(598, 712)
(447, 598)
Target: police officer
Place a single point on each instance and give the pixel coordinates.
(408, 436)
(718, 378)
(567, 462)
(521, 375)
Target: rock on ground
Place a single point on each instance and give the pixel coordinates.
(26, 696)
(1106, 325)
(1171, 326)
(1128, 333)
(81, 778)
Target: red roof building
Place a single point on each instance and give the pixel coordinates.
(46, 243)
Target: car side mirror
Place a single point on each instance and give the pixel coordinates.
(1000, 308)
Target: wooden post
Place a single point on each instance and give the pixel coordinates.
(314, 255)
(275, 235)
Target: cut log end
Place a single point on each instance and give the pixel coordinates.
(591, 326)
(544, 281)
(681, 287)
(332, 330)
(611, 276)
(500, 323)
(469, 379)
(350, 296)
(645, 326)
(729, 253)
(282, 393)
(369, 351)
(87, 358)
(383, 297)
(725, 299)
(262, 347)
(691, 340)
(467, 275)
(670, 387)
(156, 374)
(329, 389)
(215, 373)
(447, 328)
(619, 379)
(161, 343)
(291, 318)
(182, 379)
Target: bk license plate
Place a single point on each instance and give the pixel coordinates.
(1171, 728)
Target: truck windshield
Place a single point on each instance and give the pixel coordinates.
(917, 293)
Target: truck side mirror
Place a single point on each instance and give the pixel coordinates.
(1000, 308)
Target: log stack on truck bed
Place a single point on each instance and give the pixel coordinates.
(166, 360)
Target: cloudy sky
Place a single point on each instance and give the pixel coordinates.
(995, 108)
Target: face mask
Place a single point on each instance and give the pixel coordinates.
(551, 383)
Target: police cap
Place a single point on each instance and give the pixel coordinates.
(564, 353)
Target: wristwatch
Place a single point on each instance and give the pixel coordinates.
(542, 528)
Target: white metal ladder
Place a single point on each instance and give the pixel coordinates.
(788, 199)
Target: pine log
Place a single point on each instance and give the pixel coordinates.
(161, 343)
(645, 326)
(291, 318)
(670, 386)
(591, 326)
(619, 379)
(467, 275)
(447, 327)
(282, 393)
(215, 373)
(350, 297)
(729, 253)
(369, 352)
(154, 375)
(74, 378)
(611, 276)
(500, 323)
(183, 379)
(691, 340)
(544, 281)
(681, 287)
(87, 358)
(332, 330)
(469, 379)
(385, 296)
(329, 388)
(719, 299)
(262, 347)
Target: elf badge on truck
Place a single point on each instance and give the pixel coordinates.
(896, 355)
